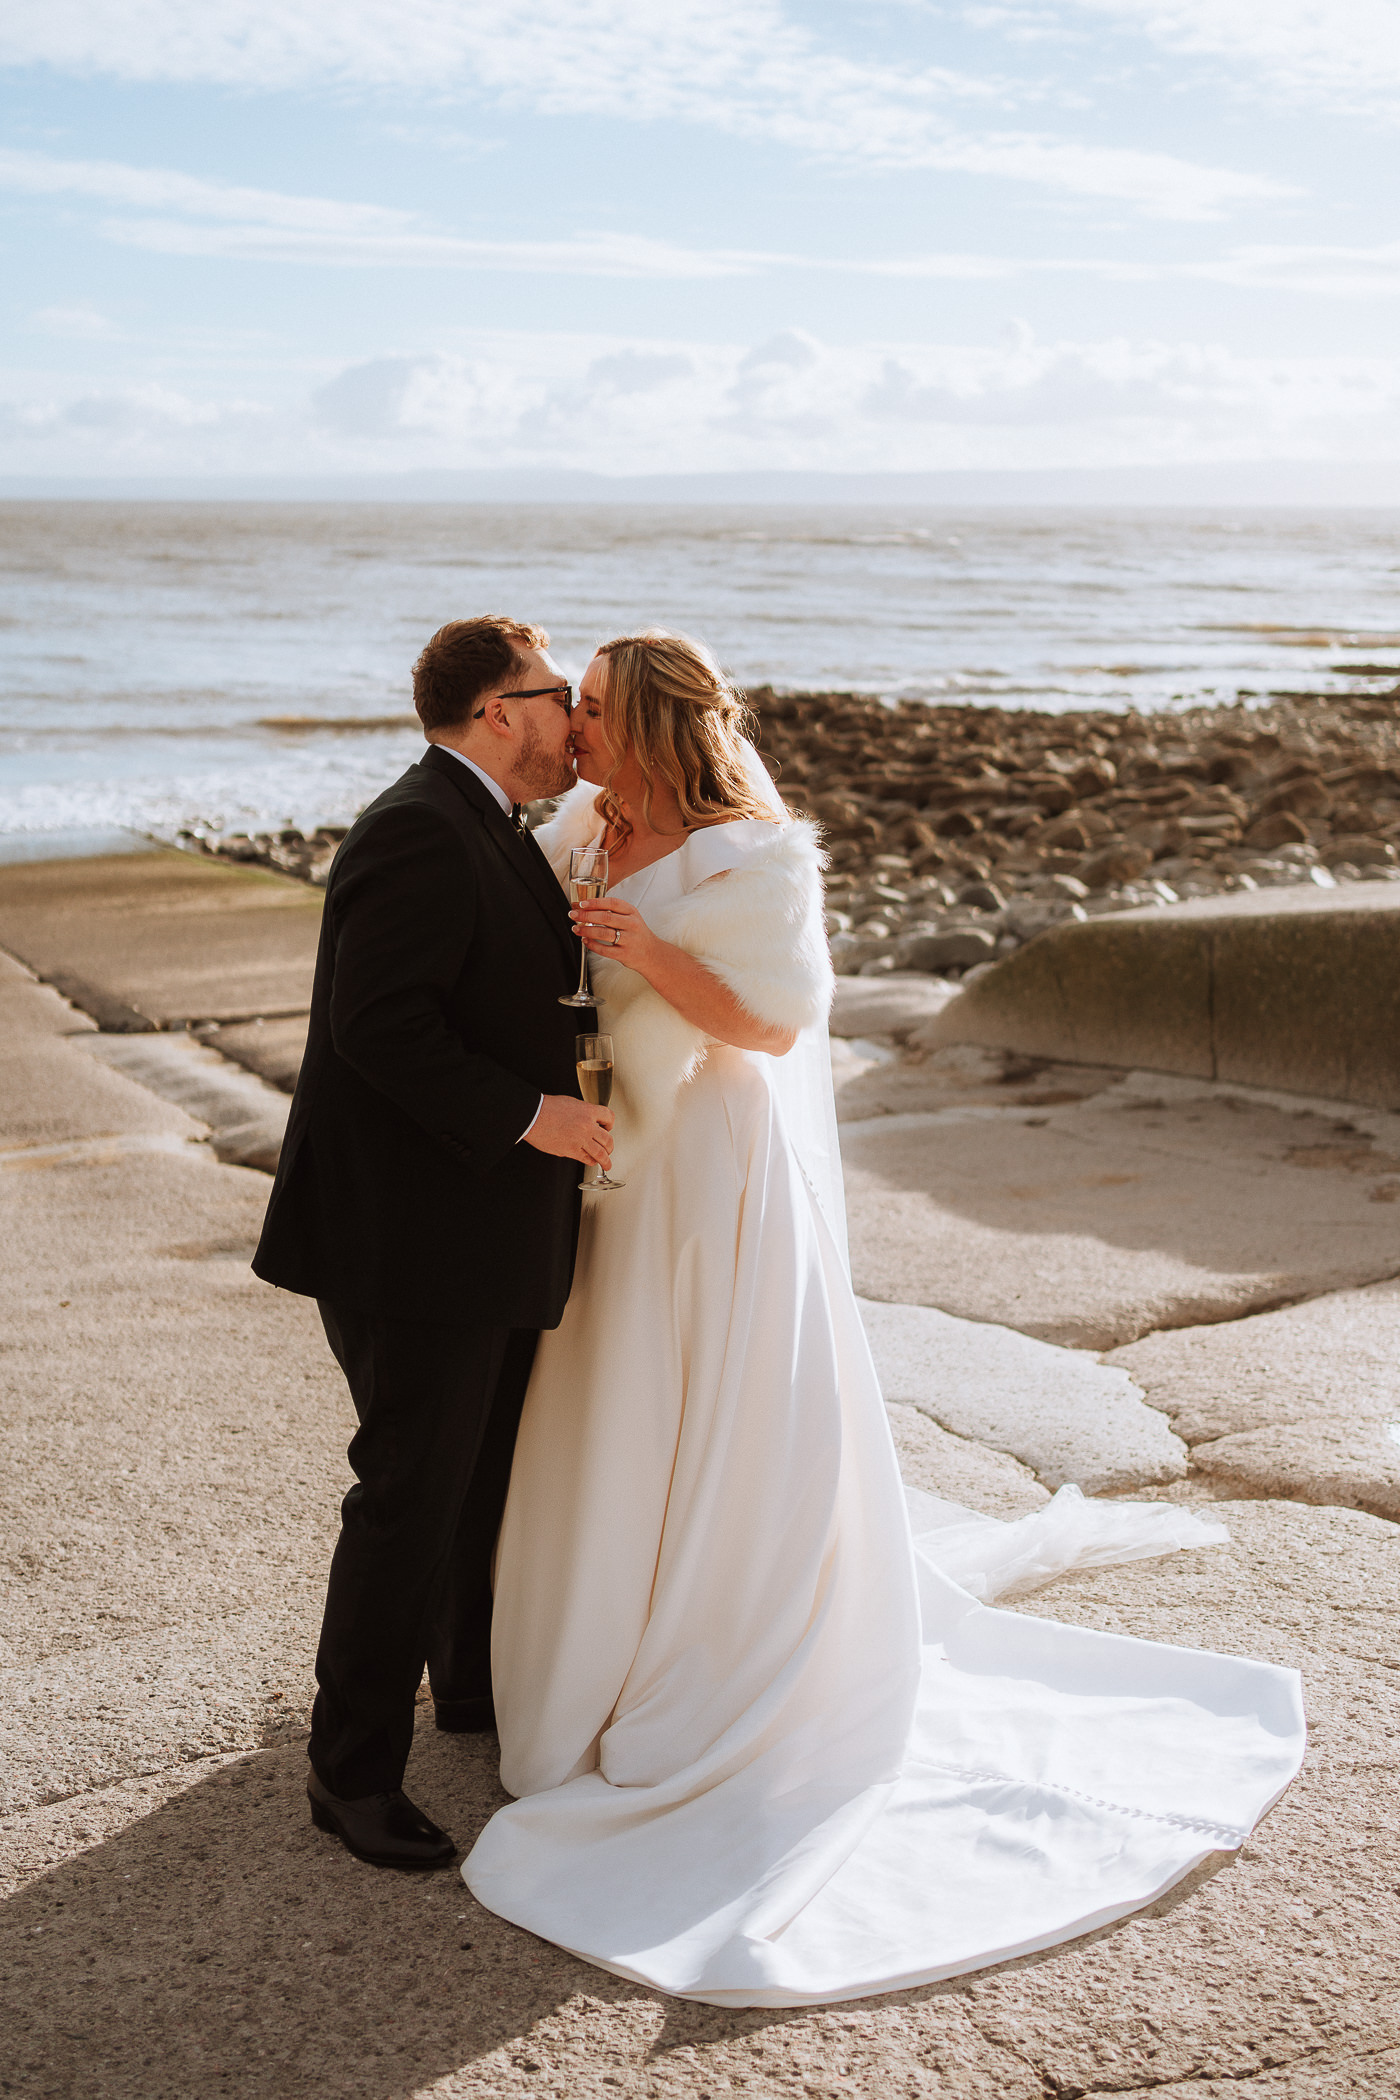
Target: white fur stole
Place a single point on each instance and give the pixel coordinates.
(759, 927)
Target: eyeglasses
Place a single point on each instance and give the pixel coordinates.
(564, 694)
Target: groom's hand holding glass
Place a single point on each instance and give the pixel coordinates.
(571, 1129)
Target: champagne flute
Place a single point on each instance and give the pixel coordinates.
(593, 1060)
(588, 881)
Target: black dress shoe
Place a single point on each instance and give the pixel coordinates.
(384, 1829)
(465, 1716)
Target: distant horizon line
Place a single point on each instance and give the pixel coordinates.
(1258, 484)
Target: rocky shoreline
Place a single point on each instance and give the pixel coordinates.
(957, 833)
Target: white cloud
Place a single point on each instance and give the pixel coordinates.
(120, 423)
(1335, 273)
(112, 182)
(235, 222)
(1141, 388)
(228, 219)
(743, 67)
(1317, 271)
(638, 371)
(1336, 54)
(78, 323)
(792, 401)
(584, 255)
(366, 400)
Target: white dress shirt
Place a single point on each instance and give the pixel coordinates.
(493, 787)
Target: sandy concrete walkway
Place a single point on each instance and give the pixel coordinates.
(172, 1446)
(1090, 1208)
(143, 940)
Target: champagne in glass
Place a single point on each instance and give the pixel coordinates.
(593, 1060)
(588, 881)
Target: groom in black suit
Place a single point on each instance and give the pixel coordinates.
(427, 1198)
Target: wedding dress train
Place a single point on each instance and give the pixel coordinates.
(768, 1746)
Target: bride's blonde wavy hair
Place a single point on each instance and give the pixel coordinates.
(667, 702)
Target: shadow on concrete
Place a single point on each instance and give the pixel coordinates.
(1221, 1186)
(221, 1945)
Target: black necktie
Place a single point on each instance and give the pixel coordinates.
(517, 817)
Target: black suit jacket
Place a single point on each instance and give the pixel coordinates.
(435, 1027)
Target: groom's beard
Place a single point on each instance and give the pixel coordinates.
(540, 773)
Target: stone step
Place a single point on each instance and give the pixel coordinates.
(1089, 1220)
(246, 1117)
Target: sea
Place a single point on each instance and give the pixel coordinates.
(246, 666)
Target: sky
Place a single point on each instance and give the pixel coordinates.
(348, 237)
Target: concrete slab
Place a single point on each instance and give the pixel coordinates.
(273, 1964)
(169, 1470)
(1278, 1943)
(1335, 1460)
(1293, 988)
(247, 1118)
(1303, 1403)
(90, 1152)
(171, 1455)
(272, 1049)
(958, 1470)
(1153, 1203)
(51, 1093)
(1058, 1412)
(885, 1081)
(157, 939)
(1335, 1355)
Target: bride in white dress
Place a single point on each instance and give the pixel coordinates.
(767, 1745)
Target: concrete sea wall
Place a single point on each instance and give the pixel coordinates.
(1286, 989)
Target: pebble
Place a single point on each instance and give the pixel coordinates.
(959, 949)
(981, 896)
(305, 854)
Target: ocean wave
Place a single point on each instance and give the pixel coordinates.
(301, 788)
(249, 664)
(300, 724)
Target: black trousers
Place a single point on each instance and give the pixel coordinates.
(410, 1581)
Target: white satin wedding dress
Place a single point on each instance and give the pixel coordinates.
(768, 1746)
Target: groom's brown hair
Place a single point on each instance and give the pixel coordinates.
(465, 659)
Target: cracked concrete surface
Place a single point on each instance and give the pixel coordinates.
(171, 1454)
(1062, 1414)
(1303, 1403)
(1094, 1215)
(187, 1930)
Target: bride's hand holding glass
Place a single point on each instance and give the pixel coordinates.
(613, 927)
